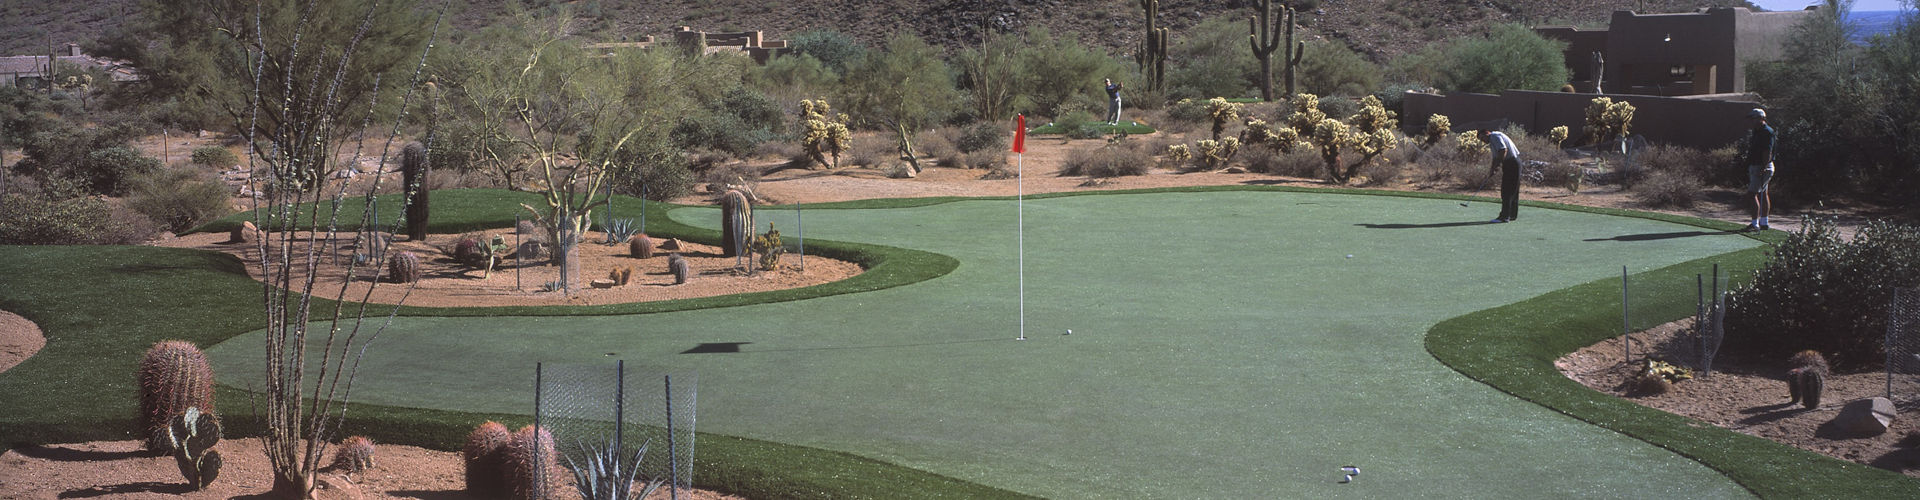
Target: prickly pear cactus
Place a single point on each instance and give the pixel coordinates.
(193, 435)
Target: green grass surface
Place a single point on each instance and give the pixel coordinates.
(1130, 127)
(80, 386)
(1233, 351)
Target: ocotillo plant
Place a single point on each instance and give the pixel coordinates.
(413, 177)
(1264, 39)
(174, 376)
(1153, 50)
(736, 223)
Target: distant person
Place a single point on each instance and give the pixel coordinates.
(1759, 168)
(1113, 102)
(1506, 159)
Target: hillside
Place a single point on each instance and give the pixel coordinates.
(1379, 28)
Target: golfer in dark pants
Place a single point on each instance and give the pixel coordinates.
(1506, 159)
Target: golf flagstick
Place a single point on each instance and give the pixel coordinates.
(1020, 210)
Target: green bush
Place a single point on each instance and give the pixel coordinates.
(112, 170)
(38, 220)
(1510, 57)
(1213, 60)
(1062, 73)
(1331, 69)
(834, 49)
(1826, 293)
(215, 156)
(179, 198)
(1108, 161)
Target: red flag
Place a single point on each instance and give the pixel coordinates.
(1020, 134)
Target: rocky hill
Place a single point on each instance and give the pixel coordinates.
(1379, 28)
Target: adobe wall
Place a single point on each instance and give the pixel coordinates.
(1698, 121)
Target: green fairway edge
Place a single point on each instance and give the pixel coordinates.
(1513, 348)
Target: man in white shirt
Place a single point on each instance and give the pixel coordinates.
(1506, 159)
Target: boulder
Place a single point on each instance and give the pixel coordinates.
(246, 233)
(1867, 417)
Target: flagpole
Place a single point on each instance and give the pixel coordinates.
(1020, 210)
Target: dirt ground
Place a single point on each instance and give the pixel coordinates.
(1742, 396)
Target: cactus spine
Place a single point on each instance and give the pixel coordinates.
(174, 377)
(413, 176)
(355, 455)
(485, 458)
(1264, 39)
(530, 462)
(736, 223)
(404, 268)
(192, 435)
(1153, 50)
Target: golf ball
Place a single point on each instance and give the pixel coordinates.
(1349, 256)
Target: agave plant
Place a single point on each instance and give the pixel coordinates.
(619, 230)
(604, 473)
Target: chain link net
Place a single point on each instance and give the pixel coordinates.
(1903, 347)
(593, 407)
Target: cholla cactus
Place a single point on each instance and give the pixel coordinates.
(768, 248)
(826, 133)
(1372, 132)
(1330, 136)
(1221, 112)
(1262, 133)
(1438, 126)
(1217, 153)
(1557, 135)
(1608, 120)
(1469, 143)
(355, 455)
(1306, 114)
(1179, 154)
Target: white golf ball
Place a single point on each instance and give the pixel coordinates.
(1349, 256)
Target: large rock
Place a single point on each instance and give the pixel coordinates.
(1867, 417)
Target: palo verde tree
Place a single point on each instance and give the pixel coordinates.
(574, 120)
(188, 54)
(312, 357)
(991, 75)
(1511, 56)
(903, 87)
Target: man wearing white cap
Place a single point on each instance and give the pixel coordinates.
(1759, 168)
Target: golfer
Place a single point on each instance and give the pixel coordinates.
(1113, 103)
(1506, 159)
(1759, 168)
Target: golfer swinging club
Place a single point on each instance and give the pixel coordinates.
(1506, 159)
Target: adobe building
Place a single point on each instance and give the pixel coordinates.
(1692, 53)
(34, 71)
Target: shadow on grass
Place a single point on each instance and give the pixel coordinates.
(1436, 225)
(1661, 236)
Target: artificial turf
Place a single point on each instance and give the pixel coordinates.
(72, 389)
(1210, 324)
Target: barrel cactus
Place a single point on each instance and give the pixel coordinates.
(1807, 378)
(680, 269)
(484, 457)
(530, 462)
(641, 246)
(174, 376)
(404, 268)
(413, 175)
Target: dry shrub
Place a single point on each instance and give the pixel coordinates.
(1382, 172)
(1651, 385)
(988, 159)
(1108, 161)
(871, 150)
(1667, 189)
(936, 143)
(778, 149)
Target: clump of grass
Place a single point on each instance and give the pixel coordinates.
(1108, 161)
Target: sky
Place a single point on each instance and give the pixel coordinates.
(1858, 5)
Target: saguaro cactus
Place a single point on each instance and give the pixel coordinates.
(1264, 39)
(413, 175)
(736, 223)
(1153, 50)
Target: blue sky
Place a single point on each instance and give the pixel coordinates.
(1858, 5)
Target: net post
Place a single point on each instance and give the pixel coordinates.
(673, 453)
(1626, 325)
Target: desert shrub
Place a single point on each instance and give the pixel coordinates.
(870, 151)
(1380, 173)
(178, 198)
(1331, 68)
(111, 170)
(1077, 124)
(37, 220)
(834, 50)
(983, 136)
(987, 159)
(1060, 74)
(1667, 189)
(1826, 293)
(1694, 163)
(1511, 56)
(935, 143)
(214, 157)
(718, 131)
(1108, 161)
(792, 77)
(666, 180)
(355, 455)
(1211, 60)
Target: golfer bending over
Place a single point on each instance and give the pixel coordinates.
(1506, 159)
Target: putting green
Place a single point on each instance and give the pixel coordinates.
(1223, 346)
